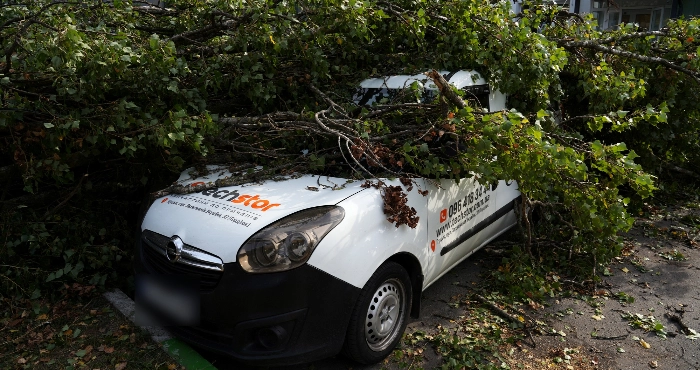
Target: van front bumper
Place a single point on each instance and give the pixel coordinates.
(289, 317)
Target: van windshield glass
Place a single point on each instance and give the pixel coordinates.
(477, 96)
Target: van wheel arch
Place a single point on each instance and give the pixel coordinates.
(412, 266)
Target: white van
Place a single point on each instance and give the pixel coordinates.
(296, 270)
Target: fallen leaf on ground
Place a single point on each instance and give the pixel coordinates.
(692, 334)
(598, 317)
(644, 344)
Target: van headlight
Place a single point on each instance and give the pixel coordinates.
(289, 242)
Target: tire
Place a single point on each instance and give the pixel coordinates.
(380, 315)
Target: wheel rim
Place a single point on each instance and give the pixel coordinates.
(384, 315)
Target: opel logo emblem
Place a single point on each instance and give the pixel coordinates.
(173, 251)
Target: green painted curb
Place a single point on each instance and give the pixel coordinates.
(186, 356)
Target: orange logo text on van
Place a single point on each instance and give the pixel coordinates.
(255, 202)
(252, 201)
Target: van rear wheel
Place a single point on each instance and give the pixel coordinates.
(380, 315)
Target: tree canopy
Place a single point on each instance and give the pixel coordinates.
(99, 99)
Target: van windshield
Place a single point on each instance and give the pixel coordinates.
(476, 96)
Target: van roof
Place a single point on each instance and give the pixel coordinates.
(459, 79)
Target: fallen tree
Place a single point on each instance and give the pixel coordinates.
(101, 99)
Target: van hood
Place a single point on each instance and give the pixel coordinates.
(220, 220)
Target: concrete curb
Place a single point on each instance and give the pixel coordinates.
(184, 354)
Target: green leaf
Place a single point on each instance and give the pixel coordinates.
(56, 62)
(172, 86)
(73, 35)
(35, 294)
(662, 117)
(598, 149)
(535, 132)
(617, 148)
(153, 42)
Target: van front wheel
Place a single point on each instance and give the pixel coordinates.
(380, 315)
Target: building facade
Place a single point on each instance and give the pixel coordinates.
(649, 15)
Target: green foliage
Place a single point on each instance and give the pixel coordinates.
(646, 323)
(66, 247)
(123, 90)
(623, 297)
(474, 344)
(674, 255)
(525, 281)
(668, 132)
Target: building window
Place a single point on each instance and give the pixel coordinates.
(665, 17)
(613, 20)
(598, 4)
(598, 16)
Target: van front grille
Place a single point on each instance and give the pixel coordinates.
(192, 262)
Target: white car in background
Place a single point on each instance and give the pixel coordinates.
(296, 270)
